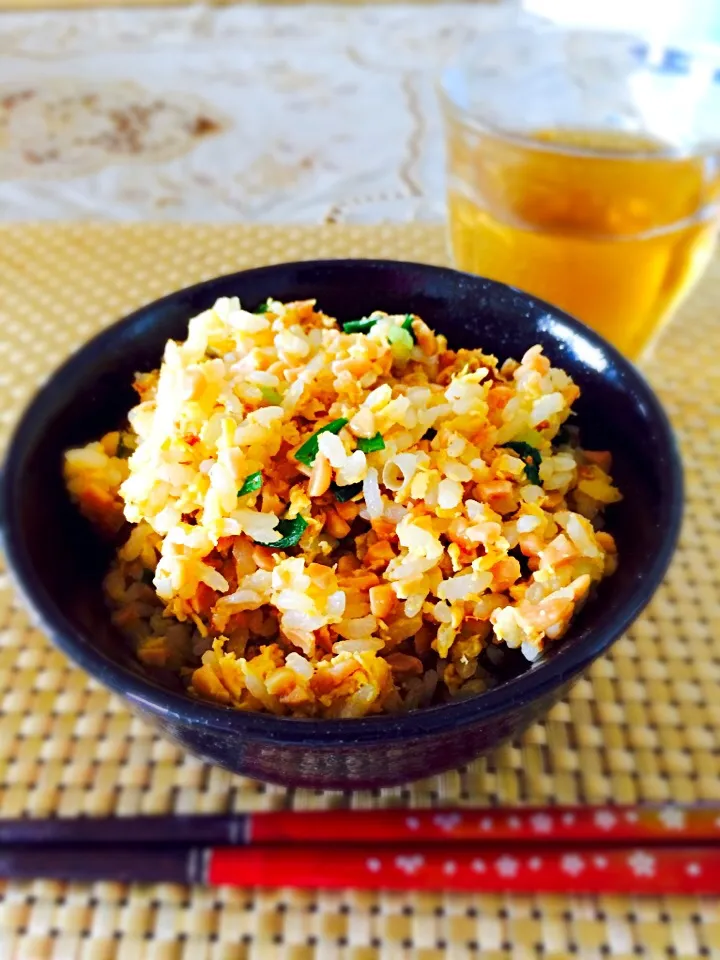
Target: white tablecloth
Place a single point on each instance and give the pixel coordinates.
(294, 114)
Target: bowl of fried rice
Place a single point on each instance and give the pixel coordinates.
(341, 523)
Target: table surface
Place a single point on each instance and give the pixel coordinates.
(643, 725)
(251, 113)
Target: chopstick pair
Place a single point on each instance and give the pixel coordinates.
(556, 850)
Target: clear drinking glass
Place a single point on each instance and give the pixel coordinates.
(585, 168)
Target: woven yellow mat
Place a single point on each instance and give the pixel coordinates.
(643, 725)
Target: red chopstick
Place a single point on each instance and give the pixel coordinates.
(564, 825)
(546, 870)
(593, 870)
(523, 826)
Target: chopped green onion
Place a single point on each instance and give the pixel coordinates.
(251, 483)
(360, 326)
(407, 324)
(264, 307)
(309, 450)
(371, 444)
(270, 395)
(399, 336)
(290, 532)
(533, 437)
(343, 494)
(147, 577)
(530, 456)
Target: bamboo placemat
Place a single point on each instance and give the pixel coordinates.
(643, 725)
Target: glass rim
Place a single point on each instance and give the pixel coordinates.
(537, 31)
(474, 119)
(481, 124)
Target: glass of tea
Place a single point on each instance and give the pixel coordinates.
(585, 168)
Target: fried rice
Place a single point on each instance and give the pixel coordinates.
(331, 520)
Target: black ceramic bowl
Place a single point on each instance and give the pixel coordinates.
(59, 563)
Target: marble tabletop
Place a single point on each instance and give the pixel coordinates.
(250, 113)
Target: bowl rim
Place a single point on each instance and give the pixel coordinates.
(179, 708)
